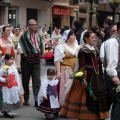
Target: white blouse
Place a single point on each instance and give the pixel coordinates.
(63, 47)
(90, 47)
(111, 52)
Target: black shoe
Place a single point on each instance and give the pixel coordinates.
(47, 115)
(36, 104)
(26, 103)
(7, 115)
(56, 114)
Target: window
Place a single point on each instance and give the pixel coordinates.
(13, 16)
(31, 14)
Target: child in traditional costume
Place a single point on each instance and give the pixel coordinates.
(48, 96)
(9, 86)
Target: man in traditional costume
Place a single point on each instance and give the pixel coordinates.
(112, 51)
(31, 48)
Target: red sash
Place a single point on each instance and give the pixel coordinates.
(11, 82)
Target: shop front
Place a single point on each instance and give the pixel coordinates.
(61, 16)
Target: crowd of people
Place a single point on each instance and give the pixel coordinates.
(72, 49)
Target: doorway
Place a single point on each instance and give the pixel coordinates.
(31, 14)
(13, 16)
(56, 22)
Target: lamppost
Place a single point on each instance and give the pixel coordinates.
(113, 5)
(91, 13)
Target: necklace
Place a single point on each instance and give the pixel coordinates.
(94, 67)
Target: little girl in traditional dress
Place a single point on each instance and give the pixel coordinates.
(9, 86)
(48, 96)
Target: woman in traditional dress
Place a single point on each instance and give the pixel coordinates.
(44, 36)
(56, 36)
(16, 37)
(7, 47)
(6, 44)
(65, 60)
(78, 103)
(9, 86)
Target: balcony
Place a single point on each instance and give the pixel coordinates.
(103, 1)
(61, 2)
(74, 2)
(3, 3)
(66, 3)
(86, 4)
(46, 0)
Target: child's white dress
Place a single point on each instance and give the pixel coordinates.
(9, 92)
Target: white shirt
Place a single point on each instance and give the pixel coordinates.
(102, 52)
(19, 48)
(111, 51)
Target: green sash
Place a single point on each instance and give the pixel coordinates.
(27, 46)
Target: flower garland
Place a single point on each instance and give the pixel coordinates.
(80, 76)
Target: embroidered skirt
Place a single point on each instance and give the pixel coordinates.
(45, 107)
(5, 106)
(65, 74)
(78, 104)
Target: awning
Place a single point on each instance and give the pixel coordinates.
(61, 11)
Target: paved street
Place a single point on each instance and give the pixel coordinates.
(30, 112)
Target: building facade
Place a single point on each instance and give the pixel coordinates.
(64, 13)
(20, 11)
(54, 12)
(72, 10)
(105, 11)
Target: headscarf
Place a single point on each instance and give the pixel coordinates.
(41, 31)
(3, 60)
(65, 36)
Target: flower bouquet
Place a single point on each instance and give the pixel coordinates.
(117, 88)
(15, 44)
(80, 76)
(1, 52)
(6, 67)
